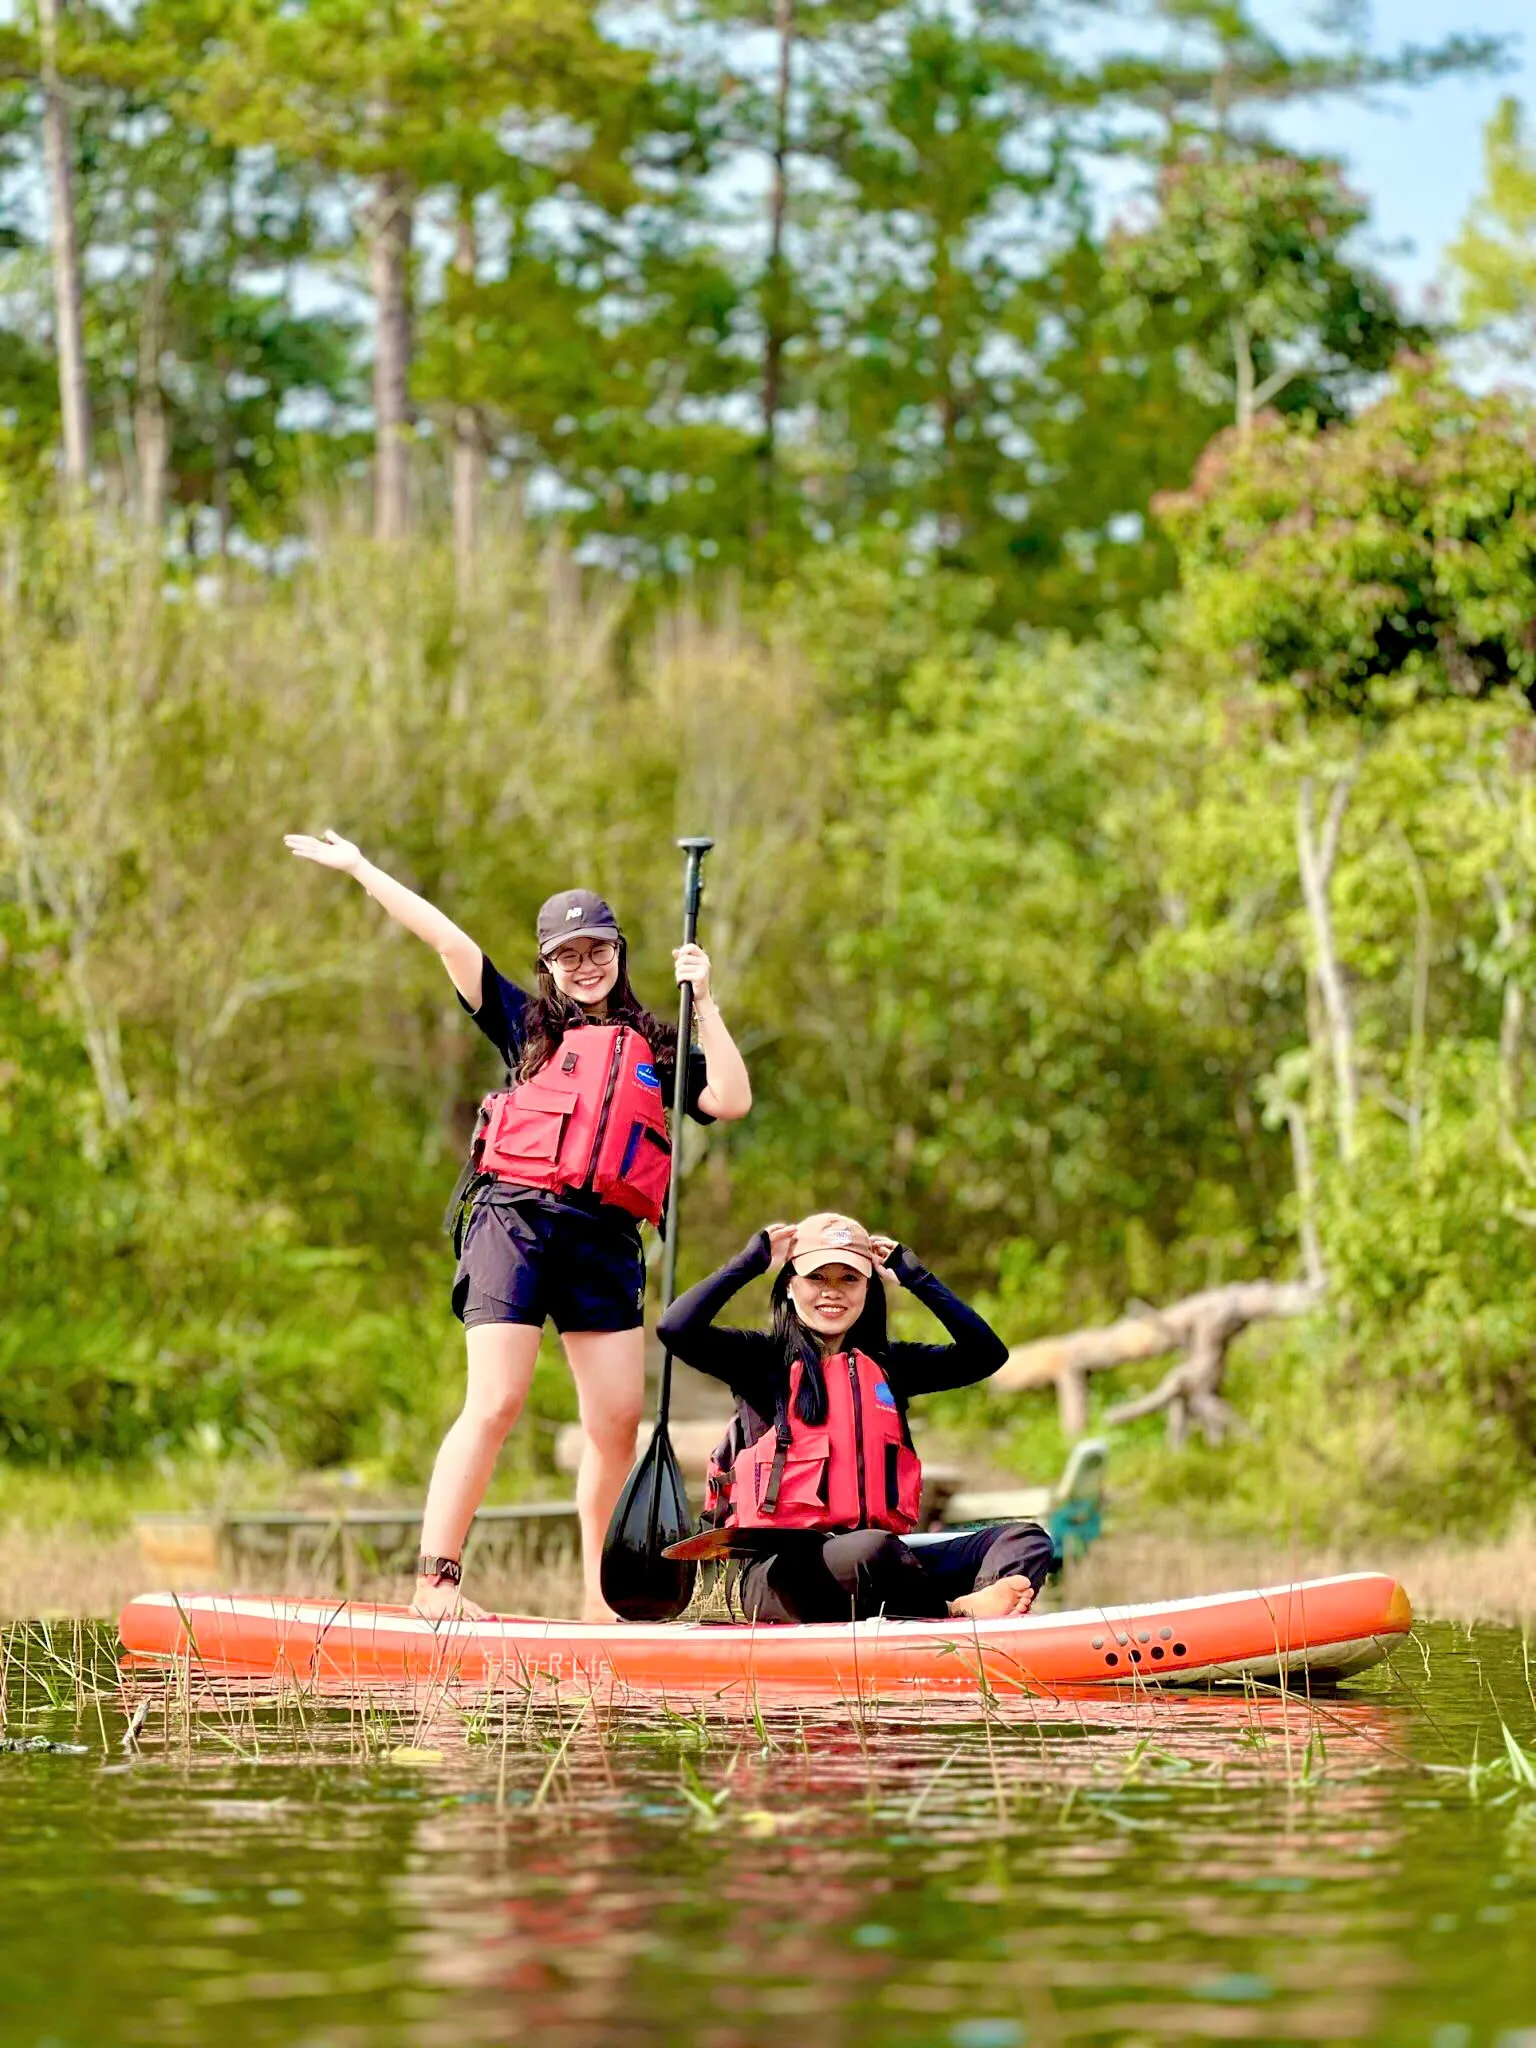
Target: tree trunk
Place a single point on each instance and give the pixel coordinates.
(390, 266)
(468, 436)
(69, 324)
(223, 469)
(775, 310)
(151, 437)
(1201, 1327)
(952, 519)
(1418, 1023)
(1514, 935)
(1316, 857)
(1249, 397)
(1242, 376)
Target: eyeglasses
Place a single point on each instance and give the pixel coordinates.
(601, 953)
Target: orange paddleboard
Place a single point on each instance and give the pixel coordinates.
(1325, 1627)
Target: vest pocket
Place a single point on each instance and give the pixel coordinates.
(903, 1482)
(802, 1499)
(529, 1124)
(645, 1167)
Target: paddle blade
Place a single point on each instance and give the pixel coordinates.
(639, 1583)
(708, 1544)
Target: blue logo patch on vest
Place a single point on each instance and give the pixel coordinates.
(648, 1076)
(884, 1398)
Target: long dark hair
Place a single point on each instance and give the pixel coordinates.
(550, 1015)
(800, 1347)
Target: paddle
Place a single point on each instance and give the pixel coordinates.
(710, 1544)
(639, 1582)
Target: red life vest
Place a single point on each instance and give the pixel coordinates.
(592, 1117)
(856, 1470)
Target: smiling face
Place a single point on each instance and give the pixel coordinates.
(829, 1301)
(585, 970)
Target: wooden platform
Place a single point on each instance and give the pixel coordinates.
(252, 1545)
(352, 1543)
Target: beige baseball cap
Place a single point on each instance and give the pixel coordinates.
(831, 1240)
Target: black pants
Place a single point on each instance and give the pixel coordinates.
(865, 1572)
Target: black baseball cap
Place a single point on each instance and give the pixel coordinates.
(574, 914)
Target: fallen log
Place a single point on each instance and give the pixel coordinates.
(1201, 1327)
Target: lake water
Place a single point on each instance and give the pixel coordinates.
(1160, 1870)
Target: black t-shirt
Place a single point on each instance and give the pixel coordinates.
(503, 1017)
(751, 1362)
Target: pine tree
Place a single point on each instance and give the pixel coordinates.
(398, 98)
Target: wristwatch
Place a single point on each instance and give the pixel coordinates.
(442, 1571)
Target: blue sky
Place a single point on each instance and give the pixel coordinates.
(1418, 155)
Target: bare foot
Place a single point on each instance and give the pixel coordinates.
(598, 1611)
(1013, 1595)
(435, 1602)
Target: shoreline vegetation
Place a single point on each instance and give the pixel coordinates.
(67, 1569)
(232, 1102)
(1107, 674)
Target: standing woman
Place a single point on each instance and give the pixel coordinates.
(817, 1480)
(567, 1159)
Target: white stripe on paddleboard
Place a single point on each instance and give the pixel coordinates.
(344, 1618)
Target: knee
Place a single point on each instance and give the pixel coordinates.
(612, 1433)
(1023, 1548)
(491, 1413)
(870, 1550)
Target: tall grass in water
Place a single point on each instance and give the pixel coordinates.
(763, 1768)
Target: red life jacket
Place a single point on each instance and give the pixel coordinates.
(592, 1117)
(856, 1470)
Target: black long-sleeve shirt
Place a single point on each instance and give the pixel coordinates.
(751, 1362)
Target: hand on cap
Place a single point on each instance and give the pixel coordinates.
(330, 852)
(780, 1238)
(884, 1249)
(692, 965)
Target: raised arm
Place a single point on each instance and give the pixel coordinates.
(457, 950)
(727, 1093)
(976, 1352)
(744, 1359)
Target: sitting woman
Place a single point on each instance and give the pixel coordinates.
(817, 1481)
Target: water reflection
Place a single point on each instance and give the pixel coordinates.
(391, 1871)
(1063, 1875)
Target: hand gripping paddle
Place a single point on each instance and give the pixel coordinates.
(640, 1582)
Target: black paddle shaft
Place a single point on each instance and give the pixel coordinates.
(639, 1581)
(693, 890)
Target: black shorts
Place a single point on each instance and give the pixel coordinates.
(536, 1260)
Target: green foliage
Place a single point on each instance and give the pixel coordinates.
(1495, 254)
(1009, 925)
(1246, 252)
(1011, 934)
(726, 282)
(1369, 567)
